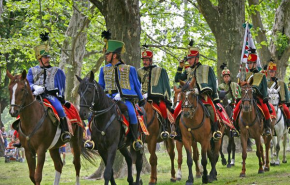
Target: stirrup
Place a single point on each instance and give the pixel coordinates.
(164, 132)
(237, 132)
(139, 141)
(89, 142)
(217, 138)
(173, 134)
(67, 140)
(265, 134)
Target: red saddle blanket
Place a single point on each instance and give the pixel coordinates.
(170, 116)
(72, 114)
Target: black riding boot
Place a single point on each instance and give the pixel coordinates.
(267, 127)
(288, 125)
(164, 134)
(18, 145)
(216, 133)
(137, 144)
(65, 136)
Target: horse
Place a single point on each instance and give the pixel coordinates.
(195, 126)
(231, 145)
(37, 131)
(179, 144)
(106, 127)
(251, 125)
(280, 128)
(154, 126)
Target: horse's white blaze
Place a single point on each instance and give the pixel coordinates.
(77, 180)
(13, 97)
(56, 178)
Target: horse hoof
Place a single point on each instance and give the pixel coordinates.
(232, 164)
(272, 164)
(242, 175)
(151, 183)
(178, 179)
(173, 179)
(284, 161)
(224, 162)
(229, 166)
(204, 179)
(266, 169)
(189, 183)
(260, 171)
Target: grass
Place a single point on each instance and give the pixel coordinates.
(15, 173)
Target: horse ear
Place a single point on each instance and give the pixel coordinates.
(23, 75)
(79, 78)
(92, 76)
(9, 75)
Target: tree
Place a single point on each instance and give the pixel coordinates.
(279, 46)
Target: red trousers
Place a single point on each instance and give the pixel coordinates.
(163, 109)
(286, 111)
(260, 102)
(177, 110)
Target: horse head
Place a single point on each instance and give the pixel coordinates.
(274, 97)
(89, 94)
(189, 98)
(19, 91)
(247, 97)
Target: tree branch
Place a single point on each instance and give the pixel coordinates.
(98, 4)
(98, 64)
(87, 54)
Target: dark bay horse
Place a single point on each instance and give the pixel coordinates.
(154, 128)
(107, 131)
(179, 144)
(37, 132)
(251, 125)
(231, 149)
(196, 127)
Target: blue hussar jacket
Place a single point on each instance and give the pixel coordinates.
(128, 84)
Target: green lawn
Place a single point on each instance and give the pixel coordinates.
(17, 173)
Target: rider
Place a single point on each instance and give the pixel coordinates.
(124, 87)
(155, 85)
(283, 93)
(205, 82)
(233, 89)
(260, 90)
(49, 82)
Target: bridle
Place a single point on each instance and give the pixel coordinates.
(82, 95)
(246, 97)
(22, 106)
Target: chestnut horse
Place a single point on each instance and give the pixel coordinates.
(154, 127)
(179, 144)
(196, 127)
(37, 131)
(251, 125)
(107, 130)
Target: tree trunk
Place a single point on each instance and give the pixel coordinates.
(1, 8)
(123, 20)
(73, 49)
(225, 21)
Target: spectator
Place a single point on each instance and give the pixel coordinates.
(62, 151)
(10, 133)
(4, 135)
(19, 150)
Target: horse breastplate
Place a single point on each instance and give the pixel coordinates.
(109, 76)
(38, 77)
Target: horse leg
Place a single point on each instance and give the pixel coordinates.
(244, 153)
(170, 150)
(187, 144)
(179, 160)
(139, 164)
(195, 159)
(77, 152)
(277, 162)
(54, 153)
(229, 149)
(233, 152)
(30, 157)
(39, 167)
(284, 146)
(124, 151)
(272, 146)
(267, 147)
(153, 160)
(204, 152)
(108, 173)
(259, 154)
(214, 150)
(224, 161)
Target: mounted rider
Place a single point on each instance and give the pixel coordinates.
(155, 86)
(274, 82)
(205, 83)
(124, 86)
(49, 82)
(232, 88)
(260, 92)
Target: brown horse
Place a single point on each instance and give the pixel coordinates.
(154, 128)
(179, 144)
(196, 127)
(37, 131)
(251, 125)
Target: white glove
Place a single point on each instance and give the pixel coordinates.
(38, 89)
(117, 97)
(229, 101)
(145, 96)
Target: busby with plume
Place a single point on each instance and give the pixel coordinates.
(112, 46)
(225, 70)
(42, 49)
